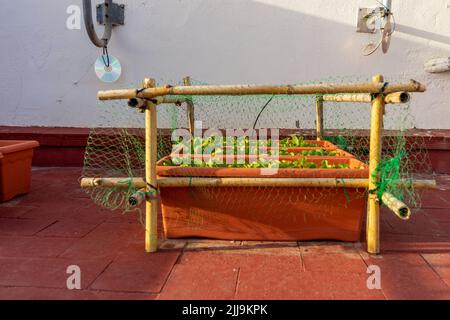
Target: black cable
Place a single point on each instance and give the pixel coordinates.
(105, 52)
(262, 110)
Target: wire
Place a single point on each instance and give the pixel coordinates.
(262, 110)
(368, 53)
(365, 50)
(105, 53)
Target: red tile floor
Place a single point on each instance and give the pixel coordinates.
(56, 226)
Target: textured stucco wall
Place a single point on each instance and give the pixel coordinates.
(46, 70)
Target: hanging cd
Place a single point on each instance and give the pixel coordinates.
(387, 32)
(108, 68)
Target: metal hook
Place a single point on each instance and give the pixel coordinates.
(112, 16)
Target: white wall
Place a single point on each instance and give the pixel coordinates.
(46, 70)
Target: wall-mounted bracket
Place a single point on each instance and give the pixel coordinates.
(369, 19)
(109, 14)
(116, 14)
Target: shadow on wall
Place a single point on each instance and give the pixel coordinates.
(423, 34)
(222, 41)
(248, 41)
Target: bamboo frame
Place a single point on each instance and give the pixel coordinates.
(175, 182)
(190, 108)
(348, 97)
(371, 88)
(319, 118)
(138, 197)
(377, 93)
(151, 205)
(397, 97)
(392, 98)
(373, 206)
(400, 209)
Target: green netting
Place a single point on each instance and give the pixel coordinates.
(116, 147)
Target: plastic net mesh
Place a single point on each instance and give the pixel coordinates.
(116, 149)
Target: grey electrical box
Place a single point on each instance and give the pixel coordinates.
(117, 14)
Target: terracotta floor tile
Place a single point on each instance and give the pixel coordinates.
(440, 262)
(438, 215)
(447, 281)
(134, 270)
(48, 272)
(435, 199)
(419, 224)
(212, 245)
(129, 217)
(33, 246)
(412, 243)
(202, 275)
(269, 248)
(14, 211)
(107, 240)
(413, 283)
(395, 260)
(334, 262)
(54, 210)
(110, 250)
(347, 286)
(32, 293)
(68, 228)
(277, 277)
(24, 227)
(328, 247)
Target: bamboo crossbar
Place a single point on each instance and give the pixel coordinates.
(348, 97)
(173, 182)
(400, 209)
(392, 98)
(318, 89)
(174, 100)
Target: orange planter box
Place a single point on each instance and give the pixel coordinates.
(276, 214)
(15, 167)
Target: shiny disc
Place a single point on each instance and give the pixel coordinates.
(387, 32)
(108, 74)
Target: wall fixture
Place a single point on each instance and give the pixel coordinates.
(377, 20)
(437, 65)
(109, 14)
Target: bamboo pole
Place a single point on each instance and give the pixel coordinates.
(392, 98)
(190, 108)
(319, 118)
(151, 205)
(173, 100)
(400, 209)
(374, 88)
(348, 97)
(373, 207)
(174, 182)
(398, 97)
(107, 183)
(138, 197)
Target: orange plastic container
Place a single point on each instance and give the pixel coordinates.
(276, 214)
(15, 167)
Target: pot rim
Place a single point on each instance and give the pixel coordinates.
(11, 146)
(177, 171)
